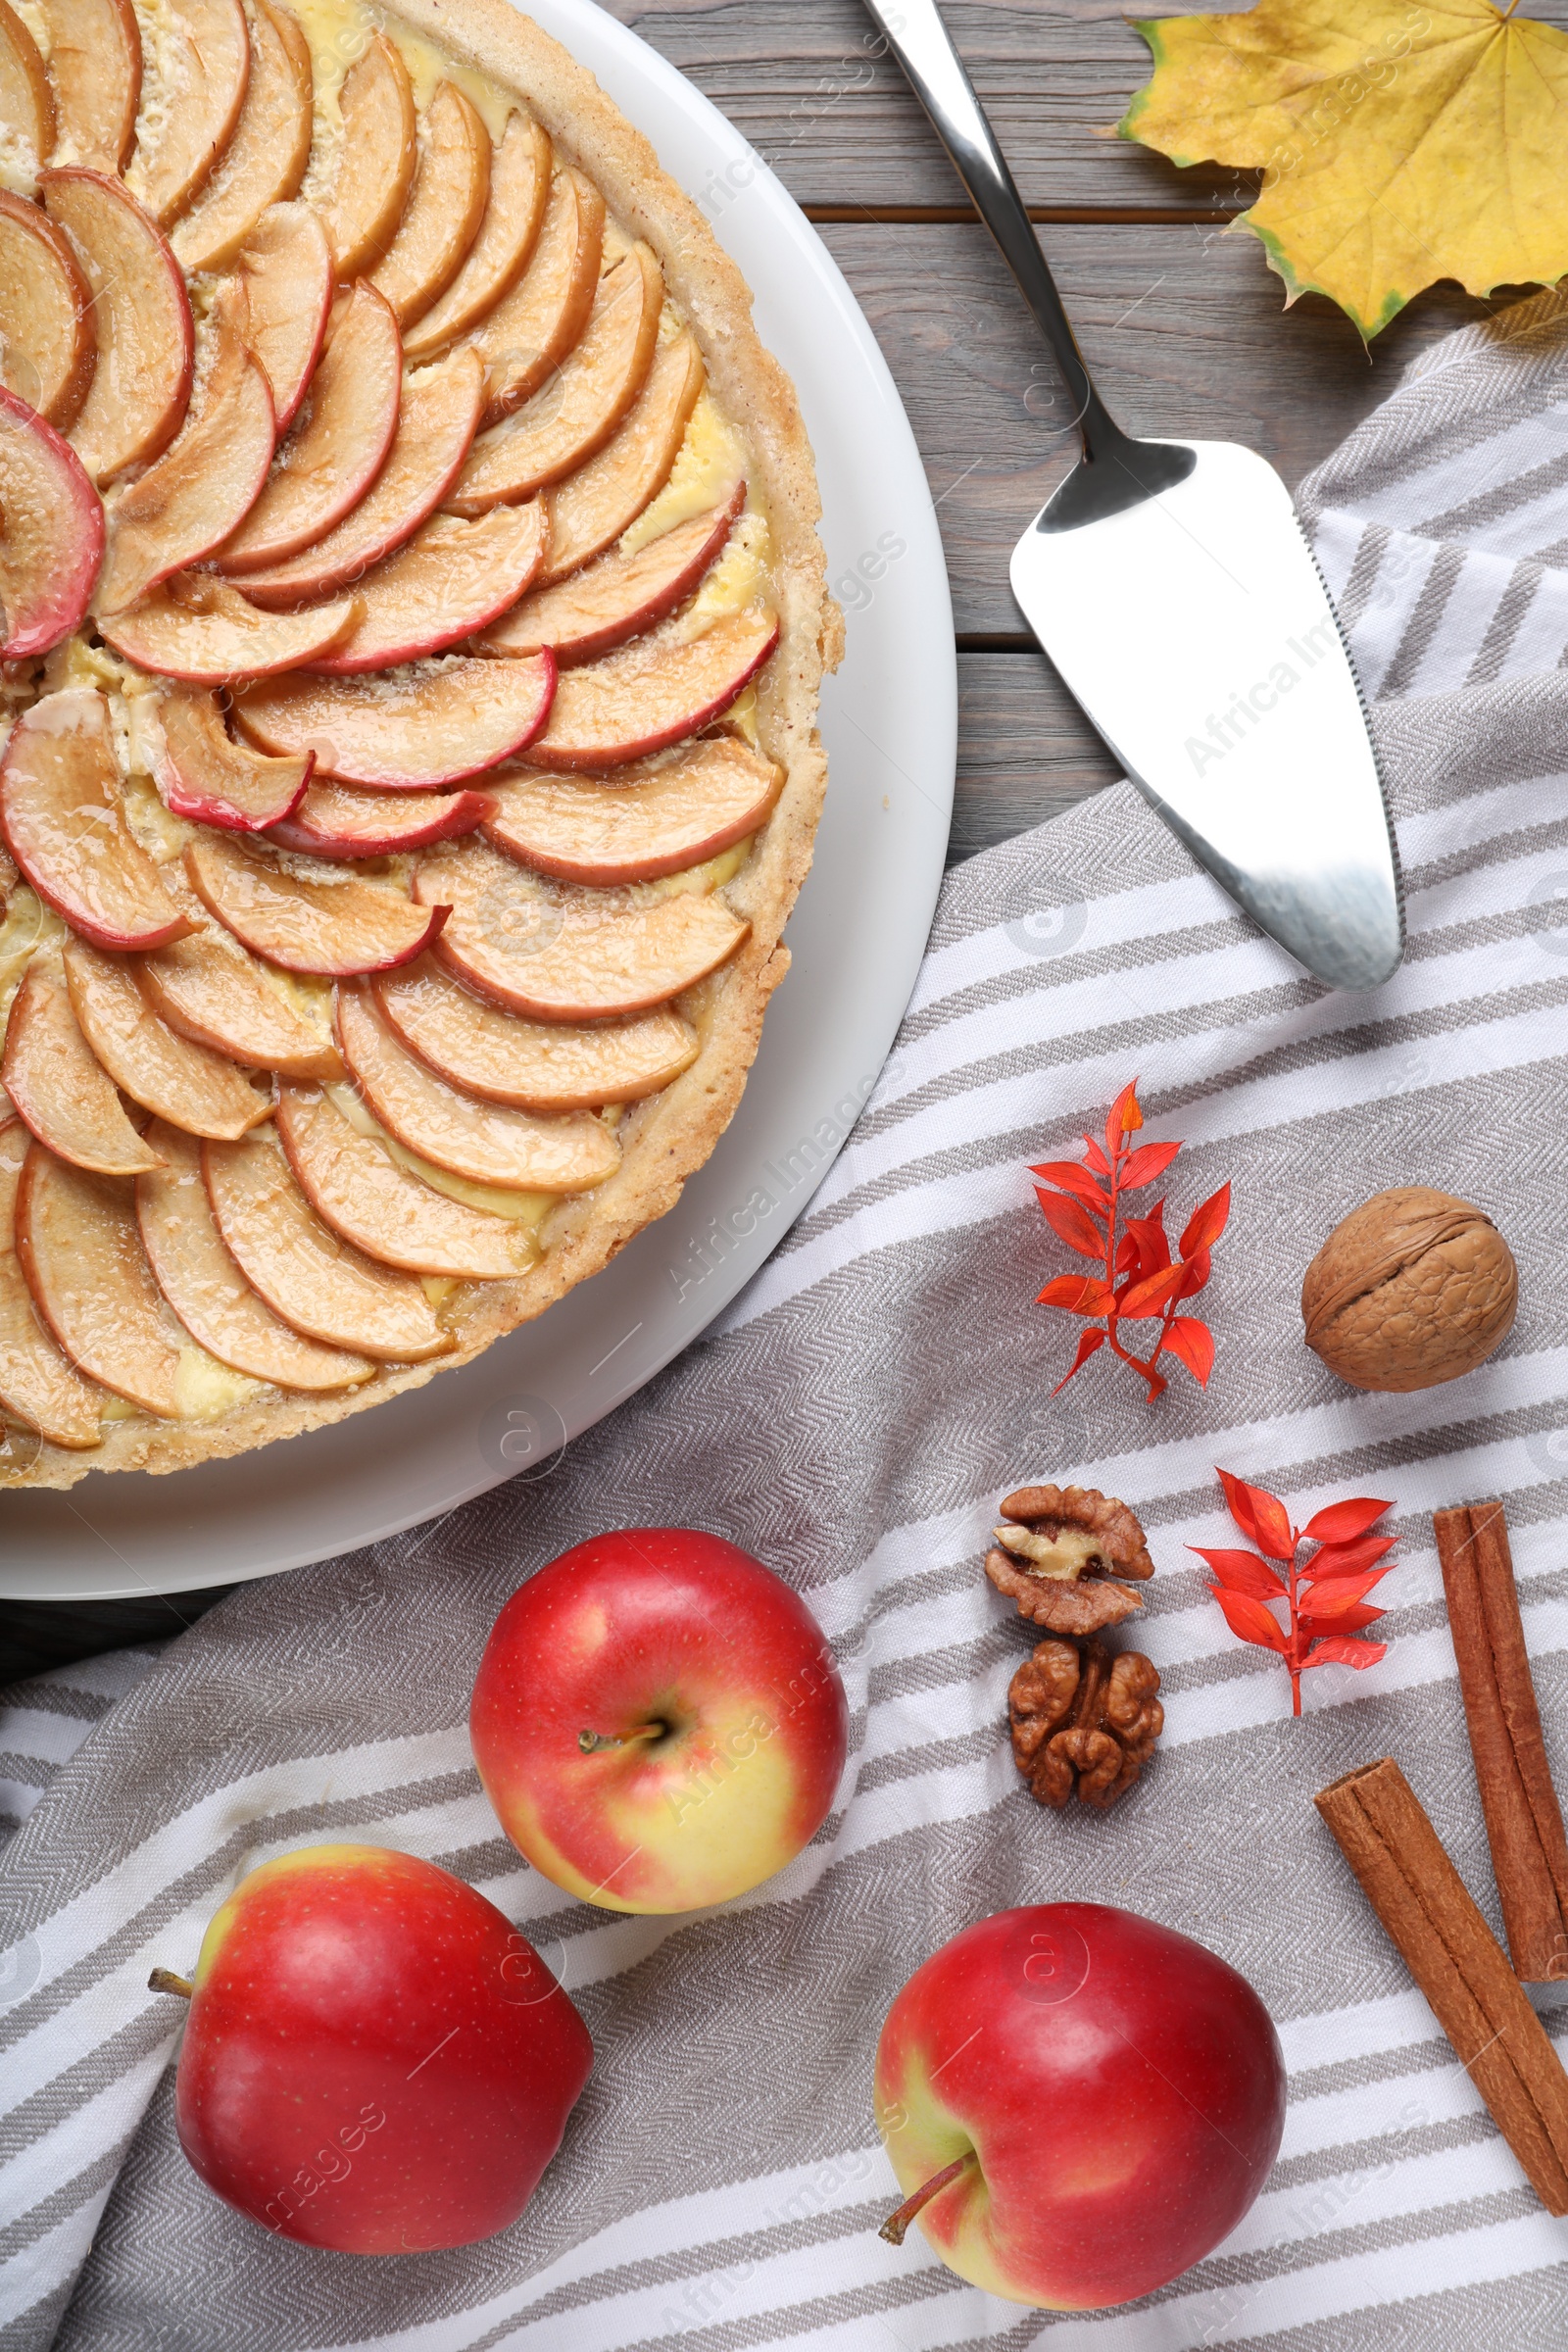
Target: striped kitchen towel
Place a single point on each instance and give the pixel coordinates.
(851, 1419)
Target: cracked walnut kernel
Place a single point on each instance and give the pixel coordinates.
(1078, 1715)
(1055, 1551)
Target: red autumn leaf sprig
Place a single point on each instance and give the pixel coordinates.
(1085, 1204)
(1325, 1595)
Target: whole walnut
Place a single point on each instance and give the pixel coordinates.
(1412, 1288)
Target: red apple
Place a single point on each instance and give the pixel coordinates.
(1081, 2104)
(377, 2060)
(658, 1721)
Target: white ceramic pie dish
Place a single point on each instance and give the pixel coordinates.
(889, 720)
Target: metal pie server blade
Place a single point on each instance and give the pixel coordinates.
(1172, 586)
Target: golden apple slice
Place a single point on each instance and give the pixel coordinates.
(488, 1143)
(436, 425)
(333, 928)
(565, 954)
(192, 496)
(202, 774)
(166, 1073)
(578, 410)
(210, 991)
(51, 533)
(207, 65)
(135, 403)
(376, 163)
(645, 823)
(537, 1066)
(203, 1284)
(619, 596)
(266, 159)
(49, 343)
(27, 105)
(324, 1288)
(360, 1190)
(285, 265)
(529, 333)
(519, 188)
(442, 217)
(653, 693)
(589, 512)
(450, 580)
(334, 821)
(419, 731)
(38, 1384)
(61, 808)
(62, 1090)
(95, 67)
(337, 446)
(91, 1282)
(205, 632)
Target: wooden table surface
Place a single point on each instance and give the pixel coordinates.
(1181, 320)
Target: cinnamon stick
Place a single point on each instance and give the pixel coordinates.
(1458, 1963)
(1524, 1821)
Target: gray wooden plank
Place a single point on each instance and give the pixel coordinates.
(1025, 750)
(1184, 328)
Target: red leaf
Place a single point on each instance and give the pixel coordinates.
(1123, 1118)
(1072, 1223)
(1097, 1158)
(1192, 1343)
(1088, 1341)
(1346, 1560)
(1126, 1253)
(1258, 1514)
(1196, 1275)
(1333, 1600)
(1079, 1295)
(1345, 1621)
(1341, 1650)
(1147, 1236)
(1071, 1178)
(1342, 1521)
(1250, 1618)
(1242, 1572)
(1148, 1297)
(1146, 1163)
(1206, 1222)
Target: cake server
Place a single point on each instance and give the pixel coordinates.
(1173, 587)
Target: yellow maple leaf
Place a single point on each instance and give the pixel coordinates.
(1401, 141)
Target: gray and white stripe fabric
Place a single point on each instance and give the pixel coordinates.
(851, 1420)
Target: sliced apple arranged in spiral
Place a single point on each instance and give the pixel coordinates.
(206, 633)
(26, 102)
(618, 597)
(266, 159)
(523, 340)
(356, 1186)
(648, 822)
(207, 61)
(95, 73)
(419, 730)
(535, 1065)
(209, 989)
(51, 342)
(135, 403)
(485, 1142)
(337, 444)
(52, 539)
(376, 163)
(322, 1287)
(332, 928)
(436, 424)
(582, 404)
(653, 693)
(589, 512)
(38, 1384)
(519, 188)
(63, 821)
(62, 1090)
(192, 499)
(200, 1280)
(445, 206)
(203, 775)
(285, 267)
(450, 581)
(335, 820)
(565, 954)
(90, 1281)
(166, 1073)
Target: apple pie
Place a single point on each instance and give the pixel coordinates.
(411, 618)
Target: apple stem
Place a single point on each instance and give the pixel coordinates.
(594, 1743)
(164, 1980)
(894, 2227)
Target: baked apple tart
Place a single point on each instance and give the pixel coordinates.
(411, 614)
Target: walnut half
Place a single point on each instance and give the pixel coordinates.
(1080, 1716)
(1054, 1552)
